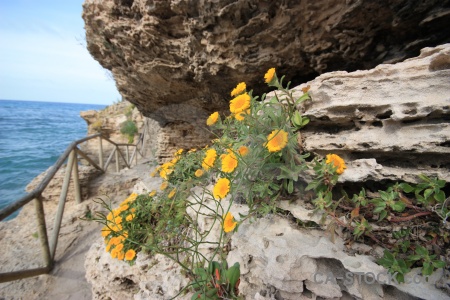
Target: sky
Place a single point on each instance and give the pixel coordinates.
(43, 56)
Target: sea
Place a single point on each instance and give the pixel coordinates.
(33, 135)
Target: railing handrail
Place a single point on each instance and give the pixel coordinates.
(70, 153)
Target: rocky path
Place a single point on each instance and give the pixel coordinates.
(67, 279)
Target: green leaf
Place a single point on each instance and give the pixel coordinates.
(304, 97)
(297, 119)
(424, 178)
(427, 193)
(441, 183)
(406, 187)
(427, 268)
(440, 196)
(388, 256)
(196, 295)
(438, 264)
(421, 251)
(415, 257)
(398, 206)
(305, 121)
(383, 215)
(290, 188)
(233, 274)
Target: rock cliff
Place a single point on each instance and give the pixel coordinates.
(178, 60)
(389, 123)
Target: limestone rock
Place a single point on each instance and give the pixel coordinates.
(193, 52)
(279, 260)
(109, 122)
(155, 277)
(391, 122)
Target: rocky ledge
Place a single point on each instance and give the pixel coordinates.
(389, 123)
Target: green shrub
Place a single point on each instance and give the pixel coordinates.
(129, 128)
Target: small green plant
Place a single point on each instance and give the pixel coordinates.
(387, 202)
(429, 262)
(396, 266)
(217, 281)
(129, 129)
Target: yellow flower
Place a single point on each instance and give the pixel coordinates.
(239, 89)
(228, 222)
(209, 159)
(130, 254)
(129, 217)
(172, 193)
(241, 116)
(108, 247)
(243, 150)
(199, 173)
(119, 247)
(229, 162)
(268, 77)
(212, 119)
(240, 103)
(277, 140)
(114, 241)
(152, 174)
(132, 197)
(152, 193)
(114, 253)
(105, 231)
(118, 220)
(192, 150)
(121, 255)
(179, 151)
(337, 161)
(221, 188)
(163, 186)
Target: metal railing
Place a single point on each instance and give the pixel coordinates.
(72, 153)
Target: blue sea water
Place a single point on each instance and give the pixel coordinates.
(32, 137)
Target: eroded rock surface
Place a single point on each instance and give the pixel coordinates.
(193, 53)
(391, 122)
(281, 261)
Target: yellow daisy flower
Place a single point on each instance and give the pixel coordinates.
(228, 222)
(243, 150)
(239, 89)
(337, 161)
(229, 162)
(199, 173)
(268, 77)
(277, 140)
(221, 189)
(172, 193)
(240, 103)
(163, 186)
(212, 119)
(130, 254)
(209, 159)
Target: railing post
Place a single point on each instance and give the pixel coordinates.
(100, 152)
(117, 159)
(61, 204)
(136, 158)
(42, 231)
(76, 181)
